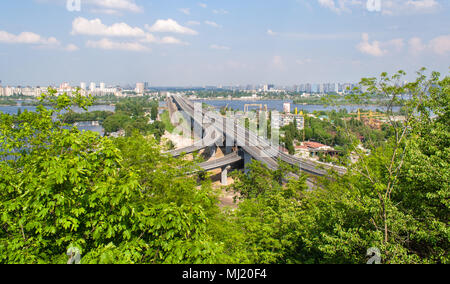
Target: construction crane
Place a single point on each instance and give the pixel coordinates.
(370, 115)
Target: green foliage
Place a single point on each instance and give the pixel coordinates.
(119, 202)
(134, 114)
(165, 118)
(396, 198)
(264, 229)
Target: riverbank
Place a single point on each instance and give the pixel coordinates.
(278, 105)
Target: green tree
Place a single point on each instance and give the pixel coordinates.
(395, 198)
(265, 227)
(119, 202)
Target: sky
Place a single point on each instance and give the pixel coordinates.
(219, 42)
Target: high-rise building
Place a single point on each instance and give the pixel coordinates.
(92, 87)
(308, 88)
(64, 86)
(83, 85)
(140, 88)
(287, 107)
(102, 86)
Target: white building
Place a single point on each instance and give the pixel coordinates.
(140, 88)
(65, 86)
(8, 91)
(102, 86)
(83, 85)
(286, 119)
(287, 107)
(92, 87)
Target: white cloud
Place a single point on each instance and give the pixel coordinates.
(303, 61)
(398, 7)
(82, 26)
(193, 23)
(440, 45)
(422, 4)
(105, 11)
(115, 5)
(311, 36)
(203, 5)
(220, 12)
(170, 26)
(213, 24)
(171, 40)
(388, 7)
(416, 45)
(396, 44)
(277, 62)
(185, 11)
(71, 47)
(27, 38)
(149, 38)
(339, 6)
(107, 44)
(219, 47)
(35, 40)
(373, 48)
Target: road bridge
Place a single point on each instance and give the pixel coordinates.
(252, 146)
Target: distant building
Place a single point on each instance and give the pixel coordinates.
(92, 87)
(140, 88)
(287, 107)
(65, 86)
(312, 149)
(286, 119)
(83, 86)
(102, 87)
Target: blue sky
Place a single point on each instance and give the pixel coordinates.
(212, 42)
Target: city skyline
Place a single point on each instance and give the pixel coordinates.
(212, 43)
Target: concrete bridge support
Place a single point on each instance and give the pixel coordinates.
(229, 144)
(247, 161)
(213, 151)
(228, 150)
(225, 175)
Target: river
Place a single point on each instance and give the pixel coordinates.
(278, 105)
(86, 126)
